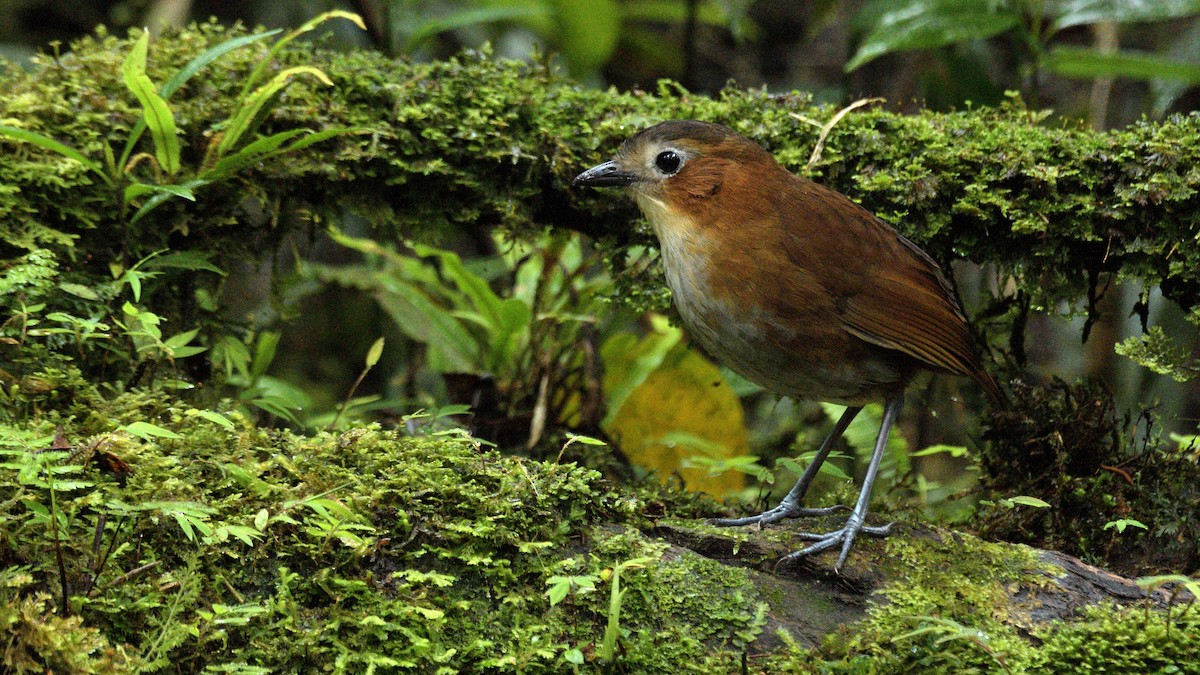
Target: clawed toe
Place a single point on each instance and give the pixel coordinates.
(856, 523)
(869, 530)
(845, 537)
(778, 513)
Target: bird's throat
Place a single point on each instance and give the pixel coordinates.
(685, 248)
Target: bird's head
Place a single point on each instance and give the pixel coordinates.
(674, 164)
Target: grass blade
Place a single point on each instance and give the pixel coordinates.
(52, 145)
(155, 111)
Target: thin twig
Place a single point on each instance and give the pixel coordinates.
(62, 567)
(828, 126)
(538, 423)
(137, 571)
(104, 561)
(1119, 471)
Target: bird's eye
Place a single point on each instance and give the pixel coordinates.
(668, 161)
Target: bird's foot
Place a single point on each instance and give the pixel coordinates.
(784, 510)
(854, 526)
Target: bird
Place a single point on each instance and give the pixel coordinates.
(795, 287)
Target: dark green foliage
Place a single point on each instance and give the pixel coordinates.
(1067, 445)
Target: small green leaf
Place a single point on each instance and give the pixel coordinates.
(274, 408)
(559, 588)
(1185, 442)
(155, 111)
(282, 42)
(264, 353)
(184, 260)
(246, 535)
(1029, 501)
(181, 339)
(245, 117)
(183, 353)
(586, 440)
(52, 145)
(80, 291)
(1081, 12)
(1124, 523)
(212, 54)
(374, 353)
(893, 26)
(1089, 63)
(251, 153)
(135, 286)
(1187, 583)
(147, 431)
(952, 450)
(135, 190)
(161, 196)
(828, 468)
(212, 416)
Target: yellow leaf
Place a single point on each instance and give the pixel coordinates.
(686, 396)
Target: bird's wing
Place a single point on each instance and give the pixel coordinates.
(907, 305)
(888, 291)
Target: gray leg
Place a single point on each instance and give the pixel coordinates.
(790, 506)
(854, 524)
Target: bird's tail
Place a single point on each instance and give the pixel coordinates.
(991, 388)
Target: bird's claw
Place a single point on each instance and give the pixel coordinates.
(776, 514)
(845, 536)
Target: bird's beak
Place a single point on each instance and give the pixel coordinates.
(607, 174)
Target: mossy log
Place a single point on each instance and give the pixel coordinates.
(1031, 587)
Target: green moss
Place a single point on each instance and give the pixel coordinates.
(679, 608)
(500, 140)
(234, 545)
(1109, 639)
(39, 640)
(407, 552)
(241, 545)
(947, 613)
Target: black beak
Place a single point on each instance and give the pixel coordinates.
(607, 174)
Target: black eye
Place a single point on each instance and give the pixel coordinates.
(667, 161)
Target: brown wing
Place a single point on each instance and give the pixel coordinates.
(889, 292)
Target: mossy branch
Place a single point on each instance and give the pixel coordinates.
(479, 143)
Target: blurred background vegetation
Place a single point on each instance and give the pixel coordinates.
(526, 333)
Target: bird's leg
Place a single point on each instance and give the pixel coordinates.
(855, 523)
(790, 506)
